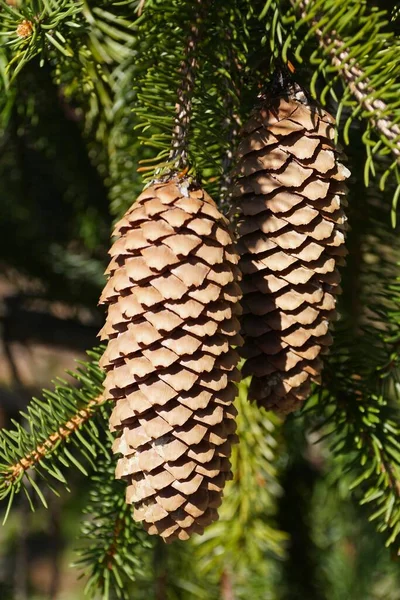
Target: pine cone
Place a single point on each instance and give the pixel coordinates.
(172, 320)
(289, 194)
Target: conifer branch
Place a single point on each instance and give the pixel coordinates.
(356, 79)
(67, 416)
(366, 438)
(198, 95)
(359, 393)
(180, 137)
(113, 549)
(140, 7)
(46, 447)
(164, 84)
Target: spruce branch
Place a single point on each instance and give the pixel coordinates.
(181, 75)
(381, 115)
(354, 50)
(113, 550)
(140, 7)
(45, 448)
(366, 434)
(70, 416)
(36, 27)
(360, 390)
(180, 137)
(81, 44)
(163, 43)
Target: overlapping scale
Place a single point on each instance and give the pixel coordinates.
(173, 308)
(290, 194)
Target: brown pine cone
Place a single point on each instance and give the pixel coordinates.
(289, 194)
(172, 298)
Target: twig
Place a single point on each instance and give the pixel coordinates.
(140, 7)
(359, 85)
(180, 140)
(112, 549)
(44, 448)
(226, 586)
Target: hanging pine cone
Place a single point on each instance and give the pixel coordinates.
(289, 193)
(172, 298)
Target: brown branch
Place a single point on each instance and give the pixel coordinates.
(140, 7)
(180, 138)
(226, 586)
(354, 76)
(112, 549)
(385, 467)
(388, 470)
(46, 447)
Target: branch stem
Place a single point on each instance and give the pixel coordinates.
(47, 446)
(356, 80)
(180, 136)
